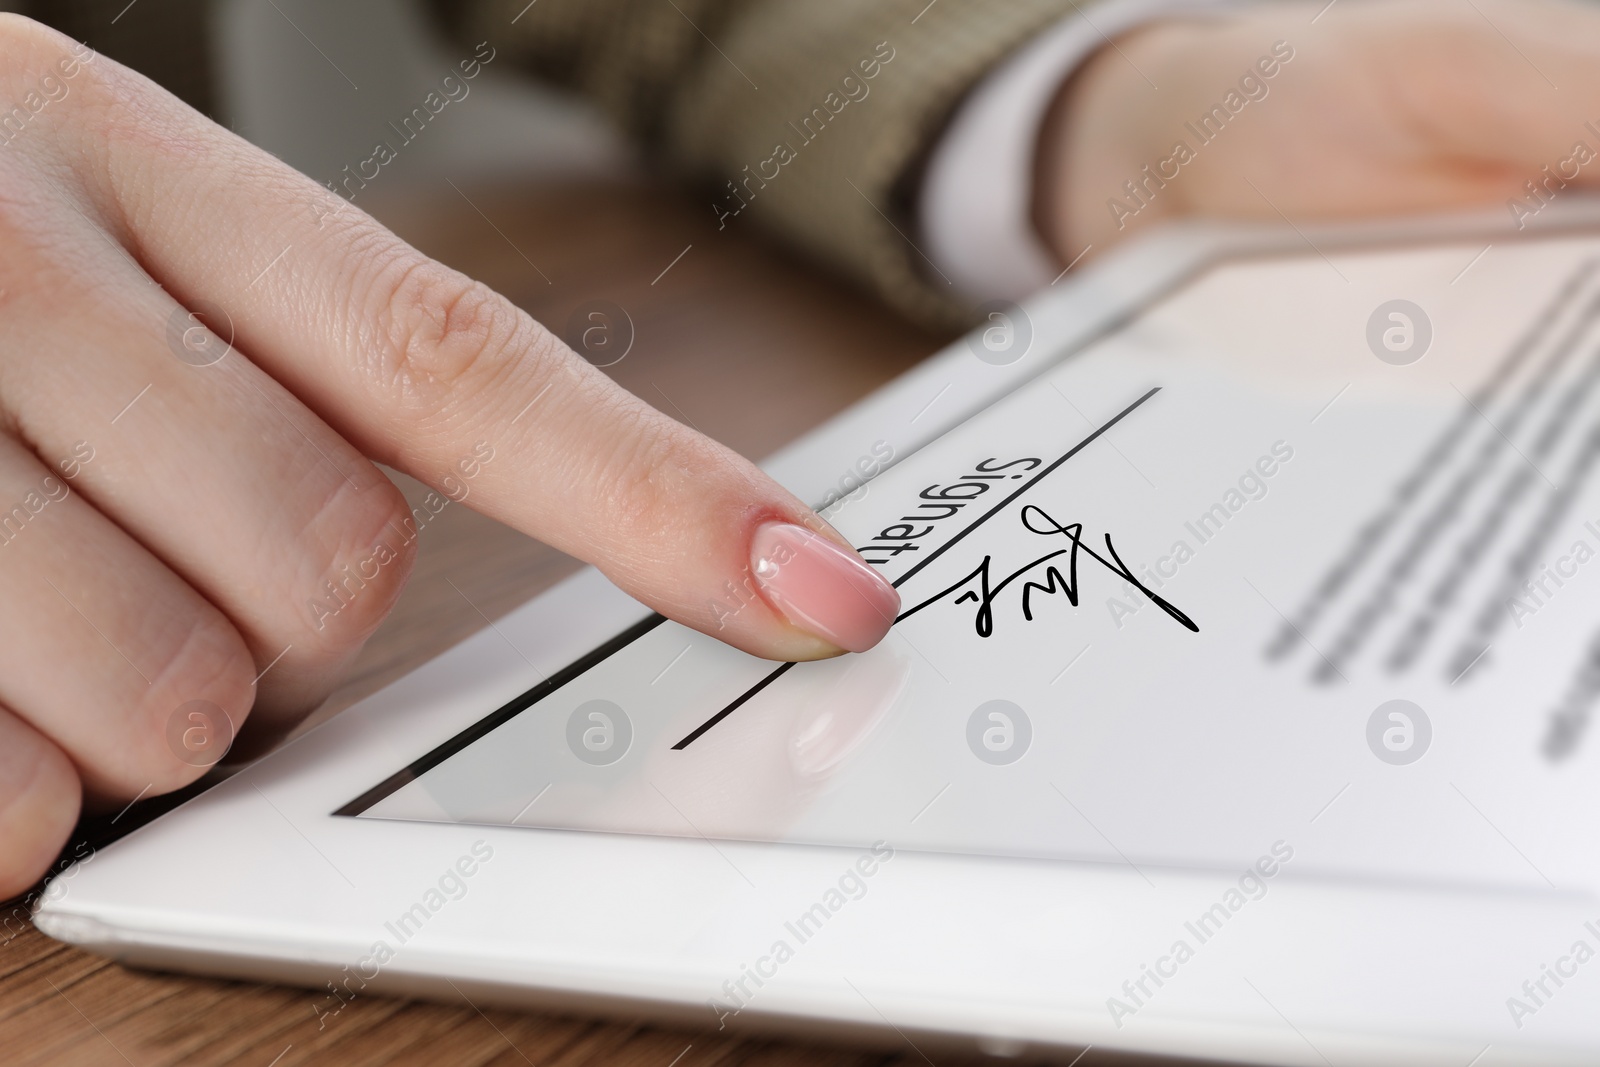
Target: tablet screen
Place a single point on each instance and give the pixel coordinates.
(1302, 558)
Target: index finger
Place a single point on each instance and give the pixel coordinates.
(435, 374)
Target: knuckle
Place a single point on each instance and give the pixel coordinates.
(210, 663)
(653, 465)
(371, 535)
(638, 467)
(444, 336)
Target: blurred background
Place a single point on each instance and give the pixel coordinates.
(317, 83)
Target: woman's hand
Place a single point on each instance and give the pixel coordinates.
(1374, 108)
(192, 519)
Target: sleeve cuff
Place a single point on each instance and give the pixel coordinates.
(975, 208)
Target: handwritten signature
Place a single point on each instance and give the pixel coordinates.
(975, 588)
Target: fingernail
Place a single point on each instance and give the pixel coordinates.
(822, 588)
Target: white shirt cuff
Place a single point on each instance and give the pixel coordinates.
(975, 208)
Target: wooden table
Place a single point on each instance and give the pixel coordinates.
(747, 345)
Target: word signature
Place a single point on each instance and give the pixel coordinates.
(975, 588)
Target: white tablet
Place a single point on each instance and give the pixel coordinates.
(1239, 708)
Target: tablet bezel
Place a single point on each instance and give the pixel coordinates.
(260, 877)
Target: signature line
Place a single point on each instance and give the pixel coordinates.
(935, 554)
